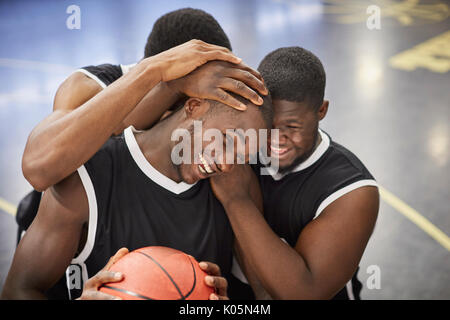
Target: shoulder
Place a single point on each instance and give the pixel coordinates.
(103, 74)
(74, 91)
(339, 166)
(336, 174)
(85, 83)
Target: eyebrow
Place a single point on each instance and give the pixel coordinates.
(292, 121)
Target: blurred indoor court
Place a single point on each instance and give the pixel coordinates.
(388, 87)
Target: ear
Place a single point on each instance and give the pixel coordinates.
(322, 112)
(195, 108)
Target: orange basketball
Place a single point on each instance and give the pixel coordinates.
(158, 273)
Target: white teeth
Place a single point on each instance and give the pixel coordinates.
(205, 164)
(201, 169)
(278, 150)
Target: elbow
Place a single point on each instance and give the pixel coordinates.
(36, 171)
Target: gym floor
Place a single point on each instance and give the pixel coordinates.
(388, 85)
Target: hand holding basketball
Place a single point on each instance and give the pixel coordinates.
(215, 280)
(91, 287)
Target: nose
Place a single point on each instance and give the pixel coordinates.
(282, 138)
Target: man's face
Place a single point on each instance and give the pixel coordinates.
(298, 129)
(214, 156)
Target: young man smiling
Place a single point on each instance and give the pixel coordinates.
(320, 207)
(130, 194)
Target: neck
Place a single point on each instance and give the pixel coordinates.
(156, 146)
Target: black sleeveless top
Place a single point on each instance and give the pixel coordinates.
(133, 205)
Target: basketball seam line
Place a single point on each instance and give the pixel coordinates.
(165, 271)
(195, 281)
(131, 293)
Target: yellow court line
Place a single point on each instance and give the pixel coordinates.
(8, 207)
(414, 216)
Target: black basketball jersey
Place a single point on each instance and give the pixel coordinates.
(133, 205)
(294, 199)
(105, 74)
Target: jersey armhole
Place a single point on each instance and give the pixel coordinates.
(339, 193)
(92, 76)
(93, 213)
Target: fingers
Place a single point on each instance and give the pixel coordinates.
(102, 277)
(214, 296)
(97, 295)
(254, 72)
(248, 76)
(210, 268)
(224, 97)
(220, 284)
(215, 52)
(119, 254)
(214, 279)
(240, 88)
(221, 55)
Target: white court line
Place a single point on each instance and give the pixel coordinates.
(36, 65)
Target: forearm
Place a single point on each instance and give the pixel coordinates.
(280, 269)
(258, 290)
(59, 147)
(150, 109)
(22, 294)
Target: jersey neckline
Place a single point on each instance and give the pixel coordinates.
(148, 169)
(313, 158)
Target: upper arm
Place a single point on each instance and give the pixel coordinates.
(75, 91)
(71, 94)
(50, 243)
(333, 243)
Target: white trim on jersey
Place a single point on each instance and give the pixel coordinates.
(126, 67)
(93, 213)
(93, 77)
(349, 287)
(320, 150)
(339, 193)
(148, 169)
(92, 226)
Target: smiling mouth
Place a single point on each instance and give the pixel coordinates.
(204, 167)
(278, 151)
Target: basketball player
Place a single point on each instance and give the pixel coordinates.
(70, 136)
(67, 138)
(131, 194)
(321, 206)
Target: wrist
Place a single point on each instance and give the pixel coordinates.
(154, 67)
(172, 88)
(233, 204)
